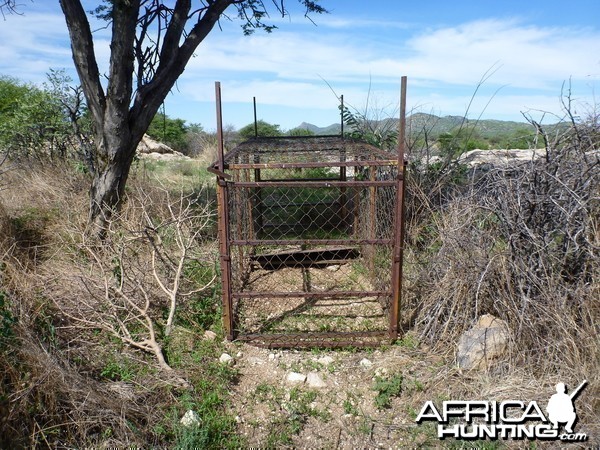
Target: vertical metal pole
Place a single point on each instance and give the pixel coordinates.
(399, 221)
(255, 119)
(342, 115)
(343, 197)
(224, 234)
(372, 223)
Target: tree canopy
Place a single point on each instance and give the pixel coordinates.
(151, 43)
(262, 129)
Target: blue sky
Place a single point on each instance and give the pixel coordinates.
(525, 50)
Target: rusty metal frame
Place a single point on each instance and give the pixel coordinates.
(233, 162)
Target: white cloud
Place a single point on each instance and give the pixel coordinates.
(288, 68)
(33, 43)
(526, 56)
(530, 56)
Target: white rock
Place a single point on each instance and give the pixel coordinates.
(295, 378)
(255, 361)
(271, 356)
(149, 145)
(484, 343)
(325, 360)
(314, 380)
(509, 158)
(190, 418)
(381, 372)
(365, 363)
(226, 359)
(210, 335)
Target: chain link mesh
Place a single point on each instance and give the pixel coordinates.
(311, 226)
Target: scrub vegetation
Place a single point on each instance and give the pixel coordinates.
(109, 343)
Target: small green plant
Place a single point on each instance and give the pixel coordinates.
(350, 405)
(116, 370)
(7, 321)
(408, 341)
(386, 389)
(290, 414)
(209, 399)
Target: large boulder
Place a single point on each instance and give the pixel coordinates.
(148, 145)
(484, 343)
(154, 150)
(500, 159)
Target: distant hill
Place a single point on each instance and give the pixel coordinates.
(331, 129)
(434, 126)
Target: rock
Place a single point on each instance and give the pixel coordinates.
(226, 359)
(148, 145)
(272, 356)
(295, 378)
(381, 372)
(314, 380)
(190, 418)
(210, 335)
(506, 159)
(325, 360)
(486, 341)
(365, 363)
(255, 360)
(175, 156)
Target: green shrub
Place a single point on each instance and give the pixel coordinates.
(386, 389)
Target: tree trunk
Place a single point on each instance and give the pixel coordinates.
(108, 184)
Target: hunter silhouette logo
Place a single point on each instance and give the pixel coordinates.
(509, 419)
(560, 407)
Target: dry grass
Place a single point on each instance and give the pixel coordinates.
(521, 245)
(53, 391)
(471, 250)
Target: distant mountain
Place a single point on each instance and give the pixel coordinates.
(334, 128)
(420, 123)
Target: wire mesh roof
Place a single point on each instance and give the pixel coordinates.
(305, 149)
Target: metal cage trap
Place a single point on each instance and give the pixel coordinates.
(310, 232)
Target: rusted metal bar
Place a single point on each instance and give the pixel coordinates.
(316, 339)
(255, 118)
(306, 343)
(313, 164)
(343, 196)
(218, 173)
(305, 257)
(342, 116)
(399, 222)
(223, 225)
(312, 241)
(313, 184)
(302, 294)
(278, 180)
(372, 222)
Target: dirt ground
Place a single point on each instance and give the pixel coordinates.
(367, 398)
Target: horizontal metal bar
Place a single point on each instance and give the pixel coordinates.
(218, 173)
(312, 242)
(299, 179)
(300, 294)
(314, 165)
(317, 339)
(268, 204)
(310, 184)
